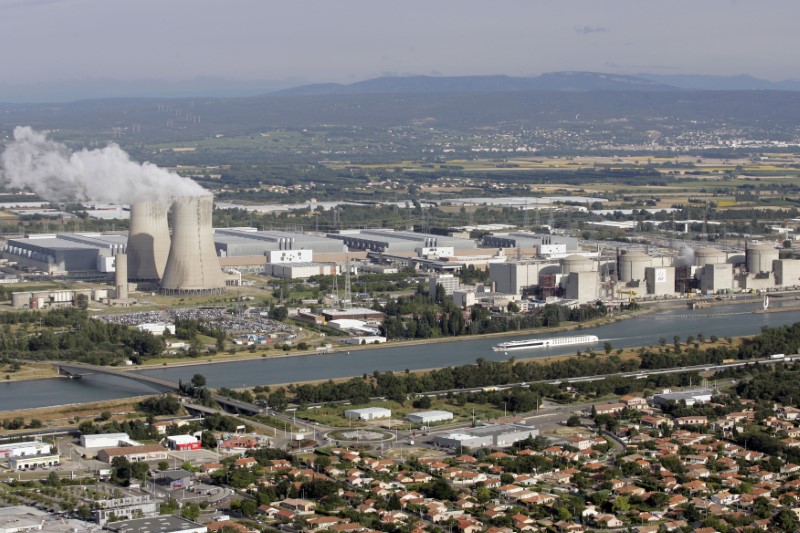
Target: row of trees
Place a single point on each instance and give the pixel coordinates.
(424, 316)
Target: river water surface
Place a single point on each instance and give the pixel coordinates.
(722, 320)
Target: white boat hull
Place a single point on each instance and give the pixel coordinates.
(554, 342)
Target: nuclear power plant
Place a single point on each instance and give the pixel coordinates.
(192, 266)
(148, 241)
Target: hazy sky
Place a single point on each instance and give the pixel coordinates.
(330, 40)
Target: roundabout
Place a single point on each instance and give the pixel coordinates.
(361, 435)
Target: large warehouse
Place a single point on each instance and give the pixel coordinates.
(66, 252)
(400, 242)
(368, 413)
(429, 417)
(235, 242)
(494, 435)
(544, 244)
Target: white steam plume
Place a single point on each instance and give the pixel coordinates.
(55, 173)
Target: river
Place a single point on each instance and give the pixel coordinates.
(721, 320)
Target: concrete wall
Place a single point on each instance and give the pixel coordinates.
(787, 272)
(581, 286)
(660, 280)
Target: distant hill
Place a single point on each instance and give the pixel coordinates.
(553, 81)
(742, 82)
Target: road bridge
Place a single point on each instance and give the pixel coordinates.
(77, 370)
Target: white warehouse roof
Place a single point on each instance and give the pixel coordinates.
(368, 413)
(182, 439)
(430, 416)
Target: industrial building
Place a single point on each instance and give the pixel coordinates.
(514, 276)
(635, 273)
(31, 462)
(429, 417)
(492, 435)
(44, 299)
(125, 507)
(353, 313)
(234, 242)
(690, 397)
(401, 242)
(183, 442)
(157, 524)
(579, 278)
(143, 452)
(300, 270)
(59, 254)
(106, 440)
(21, 449)
(544, 245)
(368, 413)
(449, 283)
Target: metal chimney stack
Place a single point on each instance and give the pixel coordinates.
(192, 266)
(148, 241)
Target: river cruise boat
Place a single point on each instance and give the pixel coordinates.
(553, 342)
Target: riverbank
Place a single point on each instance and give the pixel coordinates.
(28, 371)
(623, 353)
(75, 413)
(47, 371)
(229, 358)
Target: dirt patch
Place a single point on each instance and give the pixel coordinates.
(65, 415)
(28, 371)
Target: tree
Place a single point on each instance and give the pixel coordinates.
(607, 347)
(163, 465)
(190, 511)
(786, 520)
(198, 381)
(574, 421)
(121, 471)
(621, 505)
(139, 470)
(208, 440)
(82, 302)
(248, 508)
(53, 480)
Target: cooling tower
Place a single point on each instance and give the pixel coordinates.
(192, 267)
(148, 241)
(121, 276)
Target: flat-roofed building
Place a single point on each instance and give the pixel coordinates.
(20, 449)
(429, 417)
(493, 435)
(183, 442)
(231, 242)
(357, 313)
(144, 452)
(399, 242)
(157, 524)
(106, 440)
(368, 413)
(31, 462)
(64, 252)
(690, 397)
(125, 507)
(544, 244)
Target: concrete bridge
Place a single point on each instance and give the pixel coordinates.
(77, 370)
